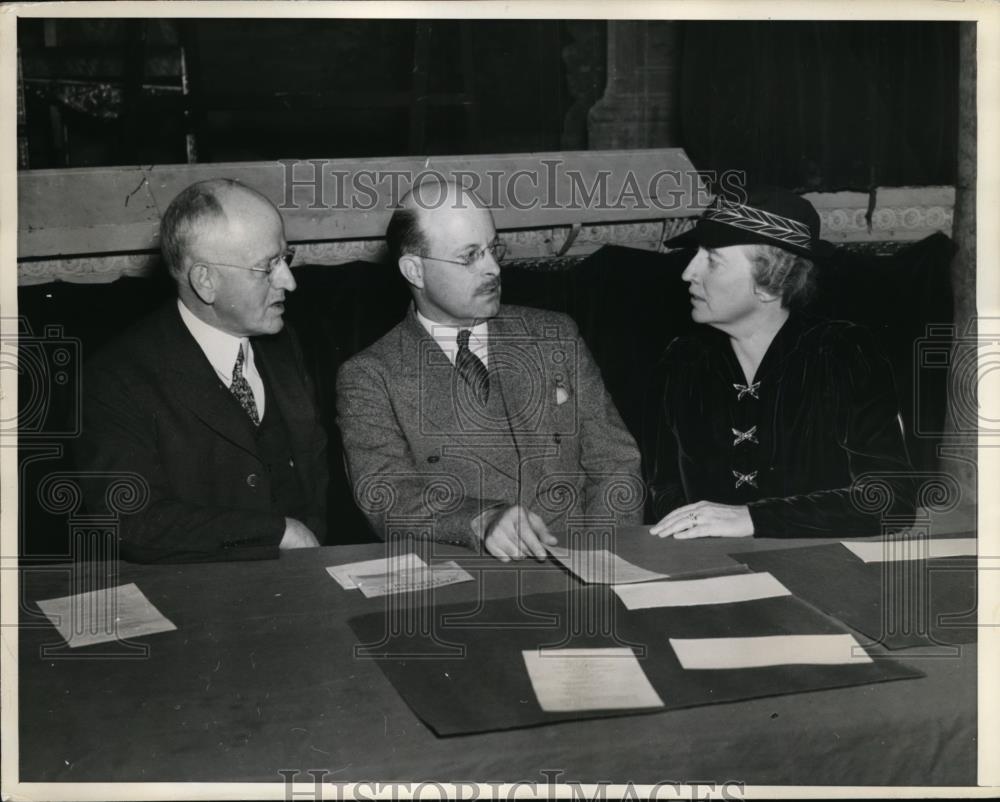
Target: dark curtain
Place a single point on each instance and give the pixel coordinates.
(822, 106)
(308, 88)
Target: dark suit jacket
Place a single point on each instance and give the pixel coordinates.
(154, 407)
(423, 459)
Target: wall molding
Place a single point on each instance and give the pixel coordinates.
(899, 214)
(887, 218)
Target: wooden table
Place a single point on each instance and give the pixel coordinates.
(260, 677)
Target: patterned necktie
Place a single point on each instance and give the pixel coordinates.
(472, 369)
(240, 388)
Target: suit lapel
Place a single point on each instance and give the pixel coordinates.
(427, 377)
(514, 371)
(286, 391)
(195, 384)
(517, 371)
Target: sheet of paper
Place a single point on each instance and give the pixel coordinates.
(345, 574)
(769, 650)
(913, 549)
(692, 592)
(602, 567)
(105, 615)
(565, 680)
(408, 580)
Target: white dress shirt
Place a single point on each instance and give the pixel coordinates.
(221, 349)
(447, 337)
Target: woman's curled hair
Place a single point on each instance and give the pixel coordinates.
(786, 274)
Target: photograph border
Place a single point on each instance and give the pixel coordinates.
(986, 14)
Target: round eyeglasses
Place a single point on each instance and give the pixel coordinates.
(496, 249)
(285, 258)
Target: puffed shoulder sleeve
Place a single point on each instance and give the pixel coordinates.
(869, 429)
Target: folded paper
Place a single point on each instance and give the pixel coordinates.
(601, 567)
(345, 573)
(768, 650)
(693, 592)
(567, 680)
(407, 580)
(914, 549)
(101, 616)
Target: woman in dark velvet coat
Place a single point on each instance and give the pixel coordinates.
(776, 424)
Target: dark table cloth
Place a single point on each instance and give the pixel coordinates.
(261, 676)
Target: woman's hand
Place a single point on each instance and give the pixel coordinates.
(706, 519)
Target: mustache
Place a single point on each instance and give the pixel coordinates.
(489, 286)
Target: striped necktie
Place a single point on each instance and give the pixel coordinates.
(472, 369)
(240, 388)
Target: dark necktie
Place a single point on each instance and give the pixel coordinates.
(472, 369)
(240, 388)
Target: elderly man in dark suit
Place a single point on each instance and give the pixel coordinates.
(206, 403)
(476, 423)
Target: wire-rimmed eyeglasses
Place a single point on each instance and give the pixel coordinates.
(284, 258)
(496, 249)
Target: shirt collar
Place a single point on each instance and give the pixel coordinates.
(447, 336)
(219, 347)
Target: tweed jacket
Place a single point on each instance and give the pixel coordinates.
(426, 460)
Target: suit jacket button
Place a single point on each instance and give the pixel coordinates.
(291, 462)
(252, 480)
(433, 458)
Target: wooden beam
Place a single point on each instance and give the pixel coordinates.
(109, 210)
(522, 246)
(898, 214)
(97, 224)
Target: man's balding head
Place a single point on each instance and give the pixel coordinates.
(440, 238)
(224, 244)
(406, 230)
(202, 205)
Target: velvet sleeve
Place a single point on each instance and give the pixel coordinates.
(880, 496)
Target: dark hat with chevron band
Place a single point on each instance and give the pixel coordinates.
(769, 216)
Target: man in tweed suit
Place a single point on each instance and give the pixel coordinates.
(476, 423)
